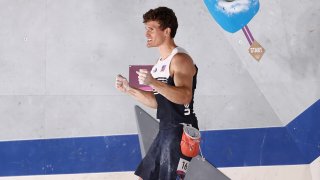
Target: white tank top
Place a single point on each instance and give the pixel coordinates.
(161, 70)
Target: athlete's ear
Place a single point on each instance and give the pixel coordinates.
(167, 32)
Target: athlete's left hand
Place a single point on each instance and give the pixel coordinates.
(144, 77)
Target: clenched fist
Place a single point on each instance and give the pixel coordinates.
(122, 83)
(144, 77)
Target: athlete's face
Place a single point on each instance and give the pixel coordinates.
(155, 36)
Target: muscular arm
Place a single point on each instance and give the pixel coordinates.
(145, 97)
(182, 69)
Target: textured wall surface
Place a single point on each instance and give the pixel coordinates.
(59, 59)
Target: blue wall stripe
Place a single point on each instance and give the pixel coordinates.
(251, 147)
(296, 143)
(305, 130)
(69, 155)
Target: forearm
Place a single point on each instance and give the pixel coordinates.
(178, 95)
(145, 97)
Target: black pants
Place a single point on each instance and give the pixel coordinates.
(164, 160)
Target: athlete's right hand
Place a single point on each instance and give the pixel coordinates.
(122, 83)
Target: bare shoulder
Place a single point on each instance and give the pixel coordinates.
(182, 58)
(182, 62)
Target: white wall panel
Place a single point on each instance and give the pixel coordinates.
(59, 59)
(294, 172)
(22, 117)
(315, 170)
(287, 73)
(22, 47)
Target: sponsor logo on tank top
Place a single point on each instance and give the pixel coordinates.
(163, 68)
(155, 70)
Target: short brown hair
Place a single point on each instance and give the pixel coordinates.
(165, 17)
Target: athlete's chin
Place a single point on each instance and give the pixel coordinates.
(150, 46)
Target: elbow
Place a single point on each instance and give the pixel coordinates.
(187, 98)
(154, 106)
(187, 101)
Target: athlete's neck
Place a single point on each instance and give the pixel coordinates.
(166, 49)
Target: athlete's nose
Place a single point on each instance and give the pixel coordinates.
(147, 34)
